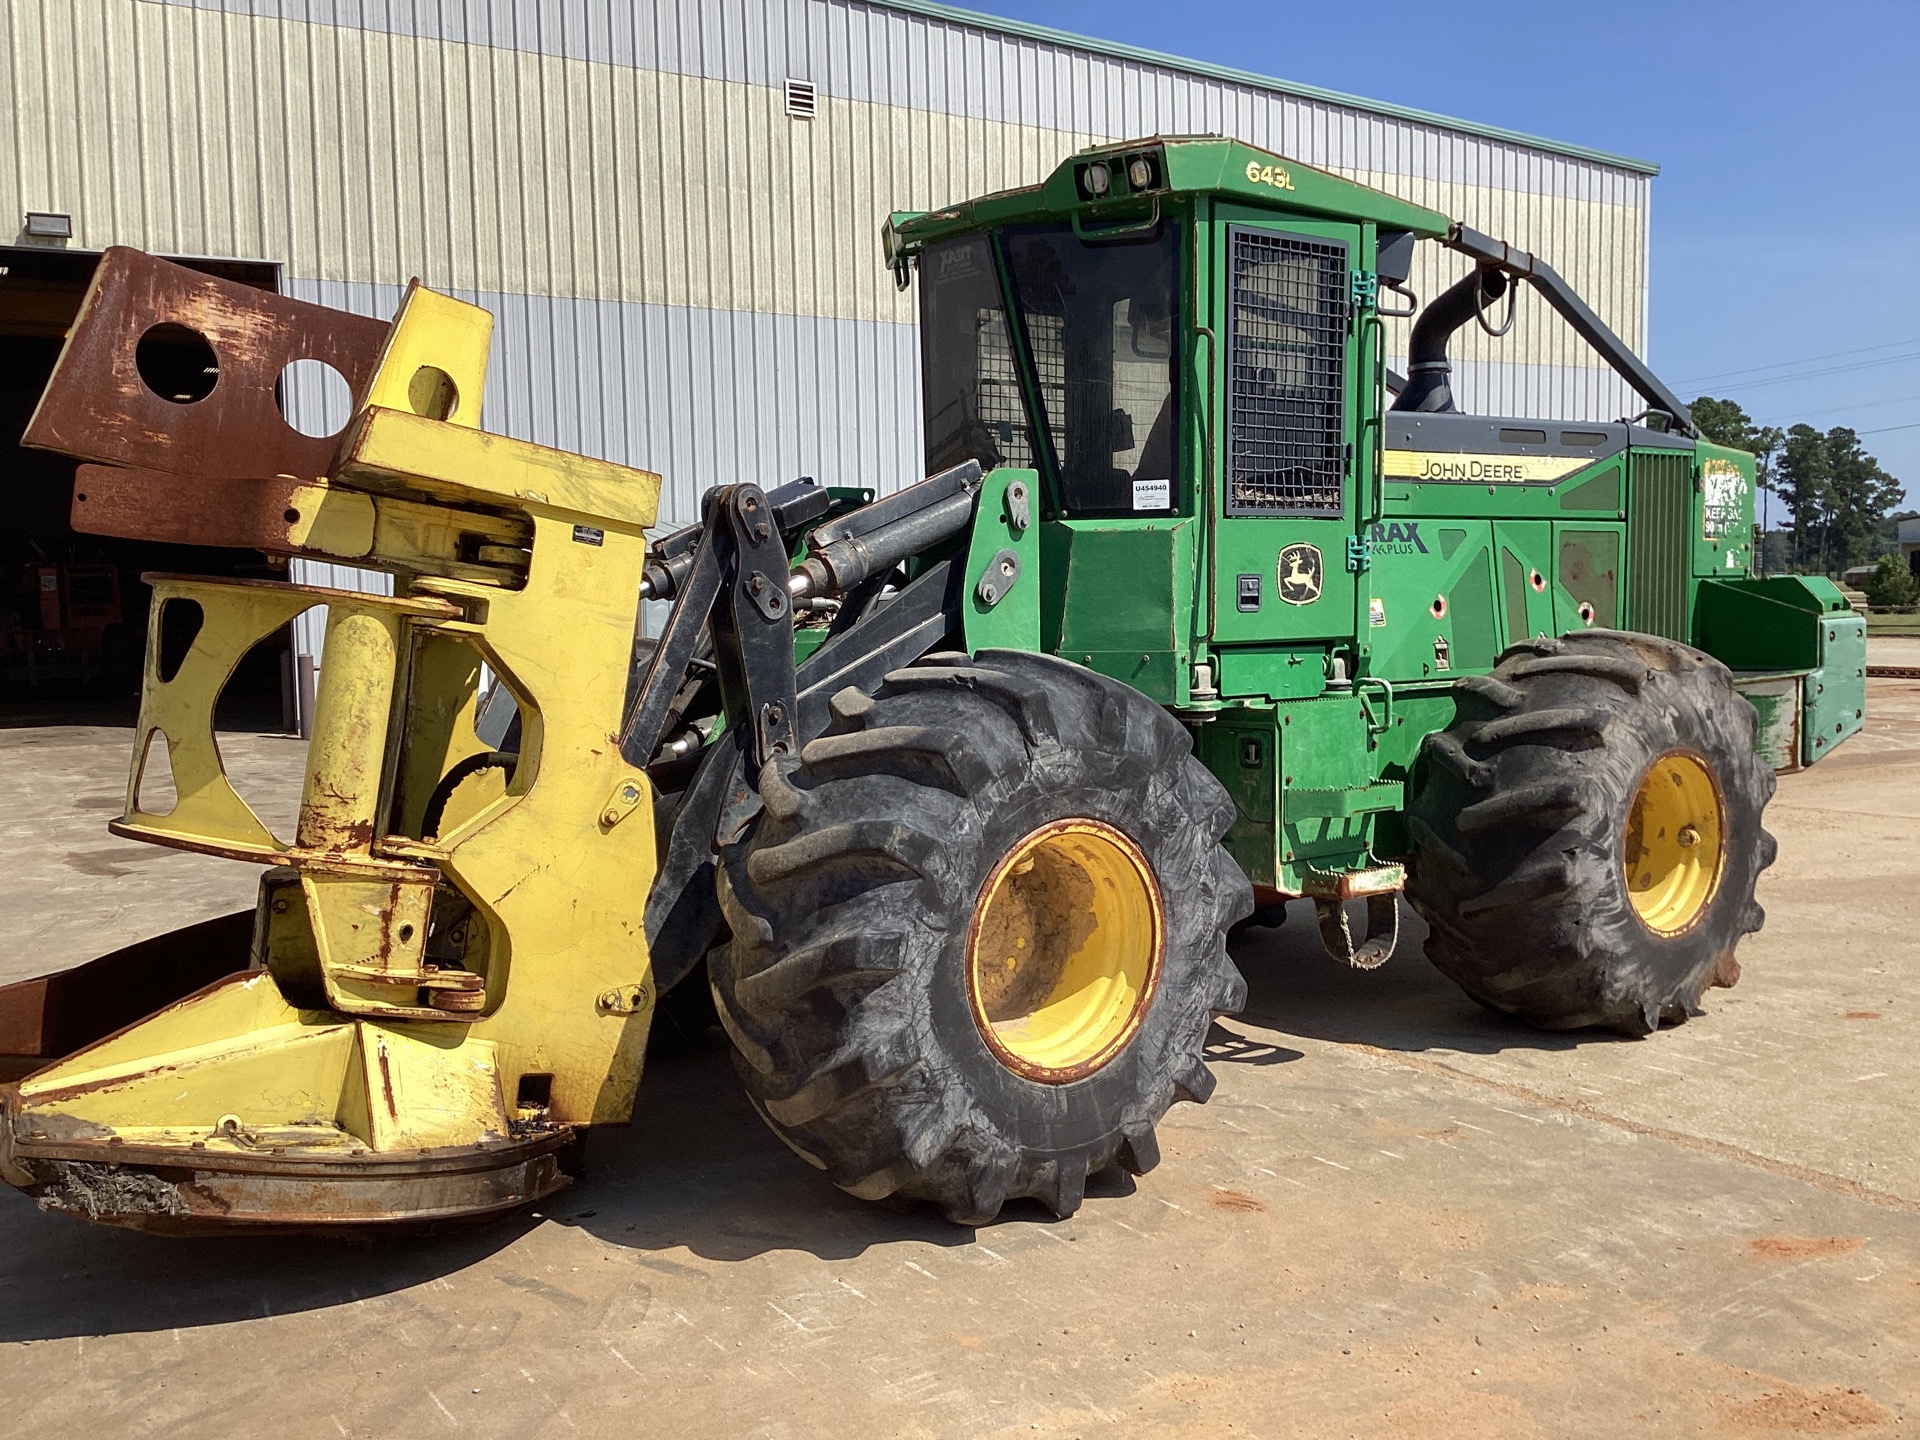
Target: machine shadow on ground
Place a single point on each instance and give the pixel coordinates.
(60, 1278)
(697, 1169)
(1296, 988)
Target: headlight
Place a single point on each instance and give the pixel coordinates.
(1139, 173)
(1099, 179)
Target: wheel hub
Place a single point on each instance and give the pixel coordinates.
(1064, 950)
(1674, 850)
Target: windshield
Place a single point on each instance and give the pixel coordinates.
(1098, 321)
(969, 386)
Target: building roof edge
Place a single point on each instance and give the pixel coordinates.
(953, 14)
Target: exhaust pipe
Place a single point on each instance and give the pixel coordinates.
(1429, 387)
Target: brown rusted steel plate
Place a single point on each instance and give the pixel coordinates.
(55, 1015)
(97, 407)
(247, 514)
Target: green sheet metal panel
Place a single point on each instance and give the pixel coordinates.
(1525, 563)
(1595, 494)
(1011, 619)
(1118, 600)
(1773, 622)
(1431, 610)
(1267, 672)
(1834, 697)
(1586, 574)
(1240, 750)
(1723, 516)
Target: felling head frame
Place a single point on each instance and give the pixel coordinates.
(439, 1004)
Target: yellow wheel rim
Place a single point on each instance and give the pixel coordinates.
(1675, 847)
(1064, 950)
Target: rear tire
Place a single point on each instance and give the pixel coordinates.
(867, 892)
(1571, 759)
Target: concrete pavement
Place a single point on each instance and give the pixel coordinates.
(1398, 1216)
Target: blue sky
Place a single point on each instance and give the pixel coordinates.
(1786, 217)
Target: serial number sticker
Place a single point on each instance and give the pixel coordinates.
(1274, 175)
(1153, 494)
(589, 535)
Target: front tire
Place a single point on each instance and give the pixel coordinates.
(1588, 832)
(979, 935)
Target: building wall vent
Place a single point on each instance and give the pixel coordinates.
(801, 101)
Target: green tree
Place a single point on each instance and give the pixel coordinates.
(1839, 495)
(1892, 584)
(1806, 486)
(1864, 495)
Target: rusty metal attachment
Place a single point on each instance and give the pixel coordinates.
(1380, 887)
(413, 1024)
(99, 406)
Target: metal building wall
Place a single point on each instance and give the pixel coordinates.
(686, 279)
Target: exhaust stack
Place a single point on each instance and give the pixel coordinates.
(1429, 387)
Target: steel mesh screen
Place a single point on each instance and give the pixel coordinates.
(1001, 410)
(1288, 382)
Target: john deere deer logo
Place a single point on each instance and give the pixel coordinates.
(1300, 574)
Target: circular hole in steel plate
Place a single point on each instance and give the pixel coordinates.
(315, 398)
(177, 364)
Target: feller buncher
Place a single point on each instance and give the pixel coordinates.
(952, 797)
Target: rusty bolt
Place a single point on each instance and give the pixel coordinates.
(1688, 836)
(760, 533)
(776, 714)
(757, 583)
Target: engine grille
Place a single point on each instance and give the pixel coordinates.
(1660, 509)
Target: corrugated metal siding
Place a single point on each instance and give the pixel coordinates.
(365, 154)
(656, 386)
(686, 279)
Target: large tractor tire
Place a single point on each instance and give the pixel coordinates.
(1588, 832)
(979, 935)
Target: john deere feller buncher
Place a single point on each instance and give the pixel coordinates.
(952, 797)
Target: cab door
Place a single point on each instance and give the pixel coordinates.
(1286, 381)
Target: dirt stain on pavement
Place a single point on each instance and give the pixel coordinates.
(1832, 1410)
(1237, 1200)
(1803, 1247)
